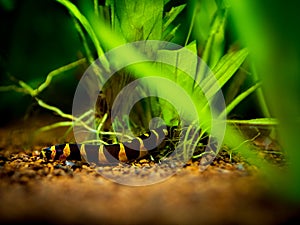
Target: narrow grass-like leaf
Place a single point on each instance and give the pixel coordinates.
(85, 23)
(187, 38)
(86, 46)
(261, 96)
(169, 35)
(96, 8)
(231, 61)
(223, 71)
(240, 98)
(214, 47)
(171, 15)
(258, 121)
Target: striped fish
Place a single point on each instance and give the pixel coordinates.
(113, 153)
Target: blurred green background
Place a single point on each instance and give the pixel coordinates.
(271, 30)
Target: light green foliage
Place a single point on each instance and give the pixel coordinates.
(137, 20)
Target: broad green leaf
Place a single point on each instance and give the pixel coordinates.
(176, 57)
(186, 82)
(137, 20)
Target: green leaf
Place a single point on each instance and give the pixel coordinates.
(240, 98)
(214, 47)
(203, 12)
(169, 35)
(224, 70)
(171, 15)
(85, 23)
(138, 20)
(168, 30)
(258, 121)
(186, 82)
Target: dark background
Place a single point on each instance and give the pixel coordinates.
(37, 38)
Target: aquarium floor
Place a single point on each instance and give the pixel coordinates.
(51, 193)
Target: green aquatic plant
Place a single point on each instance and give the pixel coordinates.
(105, 27)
